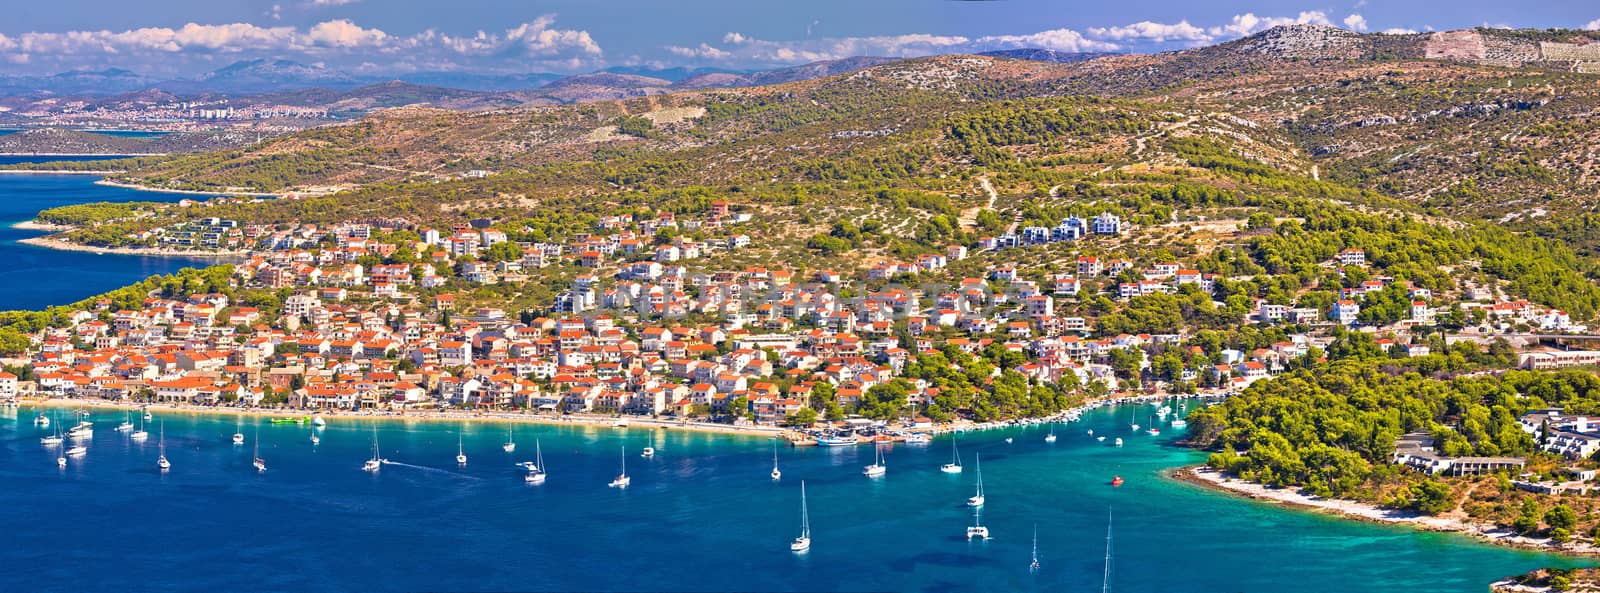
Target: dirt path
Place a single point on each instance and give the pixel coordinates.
(969, 217)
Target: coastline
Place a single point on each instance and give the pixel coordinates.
(54, 172)
(34, 225)
(137, 187)
(422, 415)
(1215, 480)
(49, 242)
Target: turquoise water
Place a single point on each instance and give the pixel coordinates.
(54, 277)
(701, 516)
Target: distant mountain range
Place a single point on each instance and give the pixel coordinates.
(283, 77)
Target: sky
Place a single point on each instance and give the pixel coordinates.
(180, 38)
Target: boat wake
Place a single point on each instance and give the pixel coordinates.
(425, 468)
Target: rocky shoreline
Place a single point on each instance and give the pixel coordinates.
(1215, 480)
(50, 242)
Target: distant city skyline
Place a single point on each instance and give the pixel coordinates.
(188, 37)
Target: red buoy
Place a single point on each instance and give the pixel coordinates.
(1116, 481)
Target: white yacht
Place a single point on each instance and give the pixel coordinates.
(776, 475)
(238, 438)
(317, 421)
(511, 443)
(376, 463)
(1180, 423)
(536, 471)
(802, 543)
(648, 452)
(976, 500)
(77, 451)
(877, 468)
(61, 459)
(954, 467)
(41, 420)
(1051, 438)
(139, 435)
(622, 480)
(461, 454)
(126, 425)
(259, 463)
(52, 439)
(315, 440)
(83, 430)
(1119, 441)
(977, 531)
(161, 460)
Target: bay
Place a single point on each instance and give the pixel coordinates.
(702, 515)
(40, 277)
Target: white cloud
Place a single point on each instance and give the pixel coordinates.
(1398, 31)
(1593, 25)
(537, 42)
(1355, 22)
(703, 52)
(343, 33)
(537, 38)
(1248, 23)
(1056, 39)
(1152, 31)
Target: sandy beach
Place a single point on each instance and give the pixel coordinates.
(424, 415)
(1216, 480)
(34, 225)
(138, 187)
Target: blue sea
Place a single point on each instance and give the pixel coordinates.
(54, 277)
(118, 133)
(702, 515)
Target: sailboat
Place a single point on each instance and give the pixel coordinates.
(126, 425)
(147, 417)
(61, 458)
(54, 438)
(461, 454)
(238, 435)
(161, 460)
(1051, 438)
(1155, 429)
(140, 435)
(511, 444)
(622, 479)
(977, 531)
(1033, 567)
(976, 500)
(1105, 579)
(954, 467)
(776, 475)
(41, 419)
(376, 463)
(877, 468)
(536, 473)
(803, 543)
(315, 440)
(259, 463)
(1119, 441)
